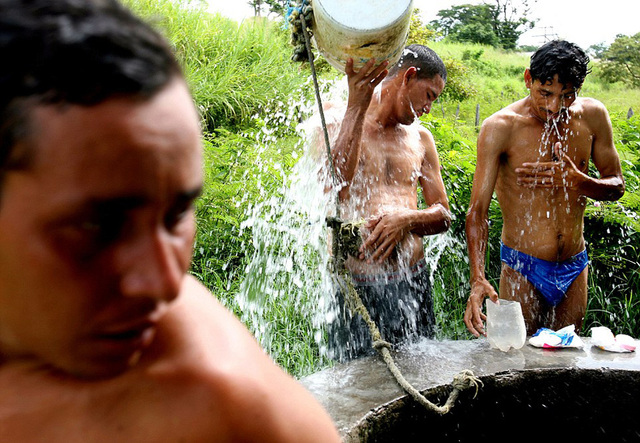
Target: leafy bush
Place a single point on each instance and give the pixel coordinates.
(612, 232)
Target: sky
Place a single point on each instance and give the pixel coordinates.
(581, 22)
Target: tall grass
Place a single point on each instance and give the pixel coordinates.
(235, 71)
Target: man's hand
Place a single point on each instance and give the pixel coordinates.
(386, 231)
(363, 82)
(473, 316)
(556, 174)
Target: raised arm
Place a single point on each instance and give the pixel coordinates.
(492, 138)
(346, 148)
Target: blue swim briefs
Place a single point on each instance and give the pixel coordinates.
(551, 279)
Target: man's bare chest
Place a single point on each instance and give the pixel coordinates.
(549, 143)
(391, 162)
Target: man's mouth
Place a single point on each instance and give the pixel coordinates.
(137, 332)
(553, 115)
(131, 334)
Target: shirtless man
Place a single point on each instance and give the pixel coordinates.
(380, 157)
(103, 335)
(535, 153)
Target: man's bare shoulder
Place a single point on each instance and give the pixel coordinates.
(204, 378)
(508, 116)
(234, 374)
(425, 135)
(204, 334)
(589, 108)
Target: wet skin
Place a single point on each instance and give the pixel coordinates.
(535, 155)
(382, 158)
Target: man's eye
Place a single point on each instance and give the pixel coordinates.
(178, 214)
(101, 229)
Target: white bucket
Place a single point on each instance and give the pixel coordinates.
(361, 29)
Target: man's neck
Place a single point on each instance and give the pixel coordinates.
(383, 111)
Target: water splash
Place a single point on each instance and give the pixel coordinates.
(289, 282)
(287, 289)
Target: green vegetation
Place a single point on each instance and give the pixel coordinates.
(621, 61)
(499, 24)
(252, 98)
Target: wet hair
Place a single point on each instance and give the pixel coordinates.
(79, 52)
(424, 59)
(563, 58)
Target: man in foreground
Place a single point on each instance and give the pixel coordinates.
(103, 335)
(380, 158)
(535, 154)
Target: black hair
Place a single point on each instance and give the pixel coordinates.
(424, 59)
(79, 52)
(562, 58)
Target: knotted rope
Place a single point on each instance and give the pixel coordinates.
(464, 380)
(298, 17)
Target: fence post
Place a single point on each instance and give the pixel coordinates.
(457, 112)
(630, 113)
(477, 115)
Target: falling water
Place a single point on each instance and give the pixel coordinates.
(289, 282)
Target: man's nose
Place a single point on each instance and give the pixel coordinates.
(554, 104)
(151, 266)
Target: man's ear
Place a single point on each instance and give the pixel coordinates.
(528, 81)
(411, 72)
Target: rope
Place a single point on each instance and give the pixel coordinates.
(461, 381)
(303, 14)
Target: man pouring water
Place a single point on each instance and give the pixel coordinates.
(535, 154)
(381, 156)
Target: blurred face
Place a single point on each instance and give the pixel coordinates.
(418, 95)
(96, 235)
(551, 99)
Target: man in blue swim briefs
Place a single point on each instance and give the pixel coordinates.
(382, 154)
(535, 154)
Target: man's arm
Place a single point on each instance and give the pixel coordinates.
(490, 142)
(346, 148)
(390, 229)
(565, 174)
(610, 185)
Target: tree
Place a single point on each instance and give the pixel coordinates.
(418, 32)
(453, 20)
(510, 21)
(499, 24)
(621, 61)
(597, 50)
(278, 7)
(257, 6)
